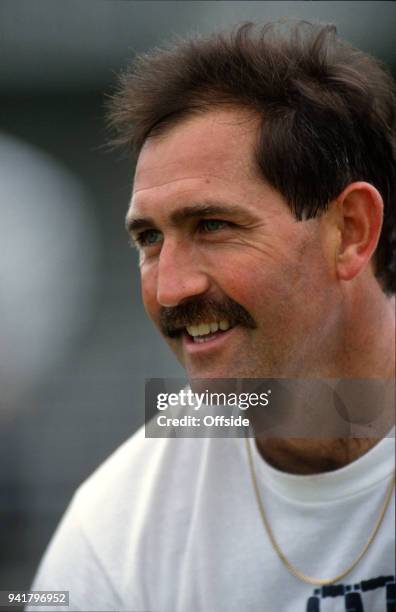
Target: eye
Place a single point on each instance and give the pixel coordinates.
(148, 237)
(213, 225)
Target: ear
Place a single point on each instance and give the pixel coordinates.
(360, 215)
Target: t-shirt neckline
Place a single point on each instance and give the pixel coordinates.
(375, 466)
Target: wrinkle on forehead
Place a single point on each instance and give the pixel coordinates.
(205, 177)
(224, 140)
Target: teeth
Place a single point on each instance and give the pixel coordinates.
(203, 329)
(193, 330)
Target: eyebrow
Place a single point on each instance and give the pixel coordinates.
(204, 209)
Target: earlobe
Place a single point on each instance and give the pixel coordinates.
(360, 207)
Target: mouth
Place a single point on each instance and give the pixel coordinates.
(206, 332)
(203, 320)
(207, 336)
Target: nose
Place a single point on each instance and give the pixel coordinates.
(180, 274)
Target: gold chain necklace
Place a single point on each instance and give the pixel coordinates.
(292, 569)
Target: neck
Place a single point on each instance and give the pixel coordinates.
(313, 456)
(366, 353)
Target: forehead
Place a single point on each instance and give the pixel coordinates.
(213, 148)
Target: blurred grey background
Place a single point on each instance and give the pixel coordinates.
(75, 346)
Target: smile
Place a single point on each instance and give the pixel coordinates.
(205, 343)
(205, 332)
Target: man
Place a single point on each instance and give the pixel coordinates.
(264, 216)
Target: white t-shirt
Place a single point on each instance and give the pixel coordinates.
(172, 525)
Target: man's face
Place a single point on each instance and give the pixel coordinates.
(220, 249)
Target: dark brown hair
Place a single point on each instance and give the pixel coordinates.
(327, 110)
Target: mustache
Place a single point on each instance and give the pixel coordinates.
(174, 319)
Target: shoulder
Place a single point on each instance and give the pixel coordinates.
(136, 472)
(148, 482)
(125, 515)
(145, 482)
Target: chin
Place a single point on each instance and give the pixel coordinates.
(219, 372)
(207, 372)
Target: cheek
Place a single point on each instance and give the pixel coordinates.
(247, 286)
(254, 280)
(277, 293)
